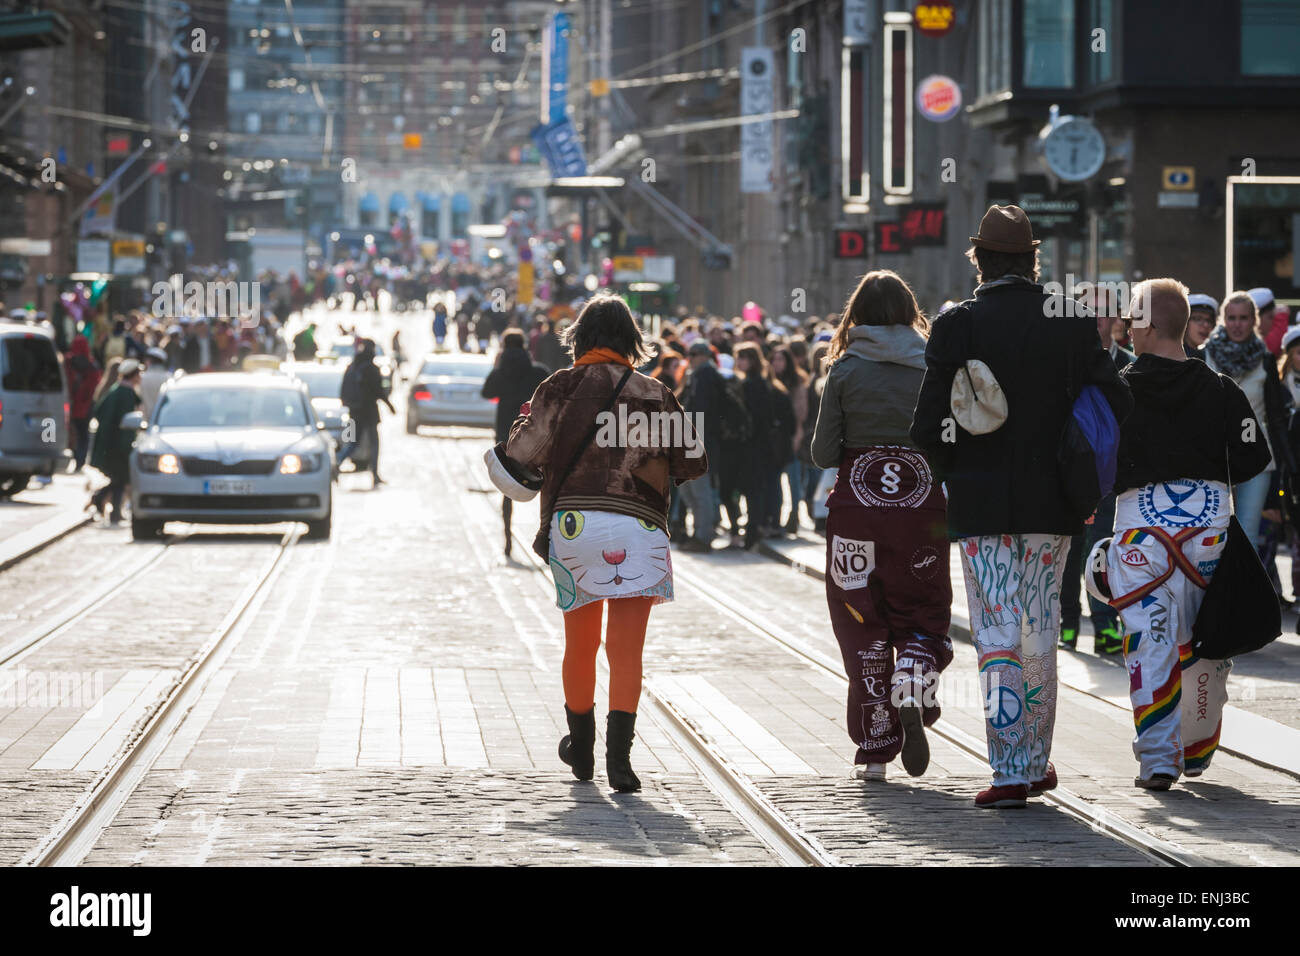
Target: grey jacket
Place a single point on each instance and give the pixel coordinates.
(870, 392)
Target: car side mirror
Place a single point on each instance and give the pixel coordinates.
(134, 422)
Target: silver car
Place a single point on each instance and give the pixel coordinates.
(33, 406)
(448, 391)
(324, 384)
(231, 448)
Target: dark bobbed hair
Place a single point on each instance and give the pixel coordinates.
(990, 265)
(512, 339)
(606, 322)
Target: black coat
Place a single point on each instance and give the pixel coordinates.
(1009, 481)
(1188, 422)
(512, 382)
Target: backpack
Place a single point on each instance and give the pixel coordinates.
(734, 426)
(350, 389)
(1088, 452)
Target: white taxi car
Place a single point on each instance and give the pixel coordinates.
(231, 448)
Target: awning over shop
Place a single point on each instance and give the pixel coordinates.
(397, 202)
(460, 203)
(370, 203)
(429, 201)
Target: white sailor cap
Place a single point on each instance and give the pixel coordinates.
(1199, 300)
(1291, 336)
(1263, 297)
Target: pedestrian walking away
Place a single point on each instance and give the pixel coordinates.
(111, 449)
(604, 514)
(362, 391)
(511, 383)
(1190, 431)
(993, 436)
(887, 582)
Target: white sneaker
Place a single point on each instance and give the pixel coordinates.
(869, 771)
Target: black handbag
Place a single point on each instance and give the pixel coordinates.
(1240, 612)
(542, 543)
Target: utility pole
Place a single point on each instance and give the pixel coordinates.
(603, 137)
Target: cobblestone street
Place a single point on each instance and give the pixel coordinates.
(393, 697)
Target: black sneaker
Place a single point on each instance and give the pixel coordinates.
(916, 749)
(1069, 637)
(1157, 781)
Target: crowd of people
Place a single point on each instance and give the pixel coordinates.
(1024, 431)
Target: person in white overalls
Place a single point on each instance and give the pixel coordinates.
(1192, 431)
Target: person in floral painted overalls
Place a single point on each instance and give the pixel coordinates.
(1006, 504)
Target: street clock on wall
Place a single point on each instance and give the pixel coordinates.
(1074, 149)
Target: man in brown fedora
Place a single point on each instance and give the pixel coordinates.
(1006, 505)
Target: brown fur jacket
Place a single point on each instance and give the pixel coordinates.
(624, 470)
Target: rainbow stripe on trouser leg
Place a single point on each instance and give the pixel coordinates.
(1167, 543)
(1013, 591)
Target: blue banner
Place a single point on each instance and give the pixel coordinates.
(559, 78)
(561, 148)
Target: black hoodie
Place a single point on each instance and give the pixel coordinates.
(1188, 421)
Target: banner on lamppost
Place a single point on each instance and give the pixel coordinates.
(555, 68)
(560, 147)
(756, 97)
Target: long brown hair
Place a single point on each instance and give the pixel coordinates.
(881, 298)
(757, 365)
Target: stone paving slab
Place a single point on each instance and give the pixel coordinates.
(900, 823)
(30, 806)
(424, 817)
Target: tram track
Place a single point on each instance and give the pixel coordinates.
(1099, 819)
(13, 651)
(733, 788)
(81, 826)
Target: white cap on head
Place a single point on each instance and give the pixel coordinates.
(128, 368)
(1291, 337)
(1199, 300)
(1263, 297)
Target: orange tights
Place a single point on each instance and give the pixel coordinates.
(623, 642)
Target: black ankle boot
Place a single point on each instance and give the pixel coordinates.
(577, 746)
(618, 746)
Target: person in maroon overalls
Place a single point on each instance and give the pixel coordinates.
(887, 579)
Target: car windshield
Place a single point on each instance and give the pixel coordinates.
(321, 382)
(477, 370)
(231, 408)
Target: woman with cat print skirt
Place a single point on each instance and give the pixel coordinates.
(606, 479)
(887, 581)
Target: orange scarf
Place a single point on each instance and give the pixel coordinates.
(593, 356)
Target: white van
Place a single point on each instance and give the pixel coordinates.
(33, 405)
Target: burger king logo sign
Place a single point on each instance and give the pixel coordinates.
(938, 98)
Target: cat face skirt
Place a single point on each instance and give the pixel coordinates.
(597, 555)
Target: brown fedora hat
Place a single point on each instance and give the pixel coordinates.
(1005, 229)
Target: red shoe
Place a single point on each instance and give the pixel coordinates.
(1003, 798)
(1040, 787)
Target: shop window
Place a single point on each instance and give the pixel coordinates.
(1101, 66)
(1270, 36)
(1048, 34)
(994, 46)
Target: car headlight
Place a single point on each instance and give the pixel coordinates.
(295, 463)
(165, 463)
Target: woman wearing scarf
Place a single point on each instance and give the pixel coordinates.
(605, 503)
(1237, 351)
(83, 377)
(887, 582)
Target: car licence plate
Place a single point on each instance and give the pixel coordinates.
(227, 487)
